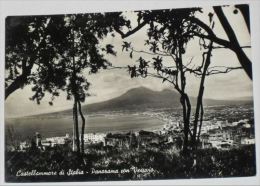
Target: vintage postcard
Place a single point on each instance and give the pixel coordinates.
(153, 94)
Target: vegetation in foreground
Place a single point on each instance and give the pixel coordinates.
(108, 163)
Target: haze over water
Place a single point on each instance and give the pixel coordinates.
(59, 126)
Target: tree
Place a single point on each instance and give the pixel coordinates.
(80, 54)
(232, 43)
(25, 38)
(53, 54)
(242, 57)
(35, 42)
(168, 37)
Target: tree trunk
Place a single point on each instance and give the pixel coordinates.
(186, 120)
(185, 102)
(185, 128)
(244, 9)
(201, 120)
(75, 94)
(21, 80)
(244, 61)
(75, 113)
(82, 127)
(200, 96)
(235, 46)
(74, 132)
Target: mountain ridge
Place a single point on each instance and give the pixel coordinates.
(142, 98)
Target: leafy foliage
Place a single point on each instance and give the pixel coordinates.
(39, 51)
(210, 163)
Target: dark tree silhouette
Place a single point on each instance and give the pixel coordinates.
(52, 53)
(242, 57)
(244, 9)
(151, 18)
(232, 42)
(168, 38)
(25, 39)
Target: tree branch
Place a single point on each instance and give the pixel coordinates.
(231, 44)
(228, 69)
(242, 57)
(211, 35)
(215, 39)
(150, 53)
(244, 9)
(124, 35)
(219, 47)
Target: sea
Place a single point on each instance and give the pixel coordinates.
(26, 127)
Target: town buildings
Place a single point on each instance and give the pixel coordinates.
(215, 133)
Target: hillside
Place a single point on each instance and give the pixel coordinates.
(138, 98)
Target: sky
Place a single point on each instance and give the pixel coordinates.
(108, 84)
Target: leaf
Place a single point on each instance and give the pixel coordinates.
(147, 42)
(126, 46)
(164, 79)
(213, 25)
(210, 17)
(131, 54)
(139, 19)
(109, 49)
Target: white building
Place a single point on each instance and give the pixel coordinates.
(23, 146)
(94, 137)
(247, 141)
(60, 140)
(224, 145)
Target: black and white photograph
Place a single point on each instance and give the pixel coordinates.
(150, 94)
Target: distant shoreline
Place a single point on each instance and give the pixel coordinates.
(50, 127)
(91, 114)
